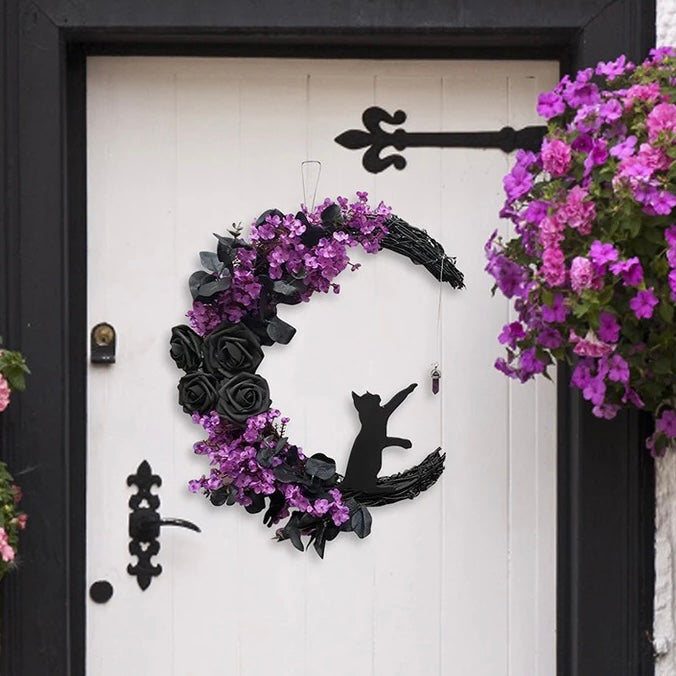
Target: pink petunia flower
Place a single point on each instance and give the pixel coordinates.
(556, 157)
(4, 393)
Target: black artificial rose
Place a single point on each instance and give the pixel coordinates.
(186, 348)
(231, 349)
(244, 395)
(197, 392)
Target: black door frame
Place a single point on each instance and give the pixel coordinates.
(605, 493)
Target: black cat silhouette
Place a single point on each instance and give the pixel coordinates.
(366, 456)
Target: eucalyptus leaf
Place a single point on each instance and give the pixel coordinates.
(196, 280)
(320, 466)
(209, 261)
(285, 474)
(216, 286)
(289, 289)
(232, 495)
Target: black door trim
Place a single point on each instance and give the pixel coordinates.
(605, 494)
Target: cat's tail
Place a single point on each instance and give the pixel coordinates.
(403, 486)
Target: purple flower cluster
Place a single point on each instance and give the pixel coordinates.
(592, 268)
(233, 454)
(287, 254)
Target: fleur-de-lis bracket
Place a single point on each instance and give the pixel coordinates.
(375, 139)
(145, 523)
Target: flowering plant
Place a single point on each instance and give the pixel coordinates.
(12, 520)
(12, 377)
(592, 268)
(234, 313)
(13, 371)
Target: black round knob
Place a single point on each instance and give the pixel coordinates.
(101, 591)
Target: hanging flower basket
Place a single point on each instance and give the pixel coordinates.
(591, 268)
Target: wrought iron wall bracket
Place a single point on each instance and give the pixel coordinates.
(376, 139)
(145, 523)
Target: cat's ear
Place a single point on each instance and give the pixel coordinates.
(355, 398)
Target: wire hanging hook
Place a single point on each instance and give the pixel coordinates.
(310, 172)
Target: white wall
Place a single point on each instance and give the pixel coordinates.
(665, 516)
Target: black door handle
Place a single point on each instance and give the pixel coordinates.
(145, 523)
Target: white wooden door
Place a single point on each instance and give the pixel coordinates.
(460, 580)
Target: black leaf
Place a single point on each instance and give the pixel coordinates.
(331, 215)
(277, 502)
(219, 496)
(320, 466)
(289, 290)
(210, 261)
(285, 474)
(320, 539)
(196, 279)
(279, 331)
(361, 521)
(211, 288)
(257, 503)
(270, 212)
(312, 235)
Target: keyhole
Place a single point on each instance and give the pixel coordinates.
(104, 335)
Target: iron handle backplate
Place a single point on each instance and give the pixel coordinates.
(145, 523)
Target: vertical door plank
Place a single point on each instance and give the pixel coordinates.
(408, 567)
(476, 421)
(126, 406)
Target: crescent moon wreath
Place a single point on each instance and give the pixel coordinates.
(234, 315)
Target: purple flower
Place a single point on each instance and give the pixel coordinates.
(582, 374)
(672, 284)
(609, 329)
(613, 69)
(550, 338)
(556, 312)
(518, 182)
(550, 104)
(643, 303)
(618, 369)
(511, 333)
(582, 144)
(607, 411)
(509, 276)
(581, 94)
(631, 271)
(624, 149)
(670, 235)
(602, 253)
(660, 202)
(666, 423)
(595, 391)
(530, 364)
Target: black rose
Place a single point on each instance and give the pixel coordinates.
(186, 348)
(197, 392)
(244, 395)
(231, 349)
